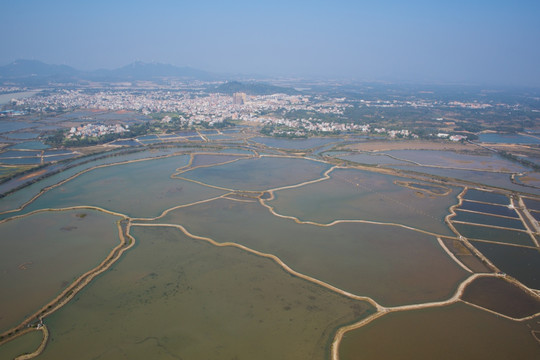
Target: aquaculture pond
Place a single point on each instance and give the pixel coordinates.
(193, 300)
(294, 144)
(519, 262)
(458, 331)
(489, 209)
(44, 252)
(486, 196)
(363, 195)
(118, 188)
(393, 265)
(485, 219)
(508, 138)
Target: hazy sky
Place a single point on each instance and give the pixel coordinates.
(474, 41)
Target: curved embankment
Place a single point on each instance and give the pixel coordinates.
(41, 346)
(274, 258)
(380, 310)
(126, 242)
(84, 279)
(464, 240)
(50, 187)
(62, 182)
(455, 298)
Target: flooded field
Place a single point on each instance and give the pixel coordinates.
(43, 253)
(196, 301)
(455, 332)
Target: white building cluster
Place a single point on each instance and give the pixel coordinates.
(94, 130)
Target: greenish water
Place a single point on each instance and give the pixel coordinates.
(207, 160)
(24, 344)
(37, 145)
(393, 265)
(372, 159)
(17, 153)
(259, 174)
(298, 144)
(362, 195)
(191, 300)
(14, 200)
(175, 297)
(476, 176)
(457, 160)
(457, 331)
(508, 139)
(43, 253)
(22, 161)
(141, 189)
(22, 136)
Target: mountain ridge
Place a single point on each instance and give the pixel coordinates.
(23, 70)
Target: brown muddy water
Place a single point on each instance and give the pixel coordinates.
(454, 332)
(177, 298)
(393, 265)
(43, 253)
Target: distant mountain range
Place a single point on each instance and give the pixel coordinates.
(32, 72)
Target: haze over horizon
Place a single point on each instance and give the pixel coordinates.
(476, 42)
